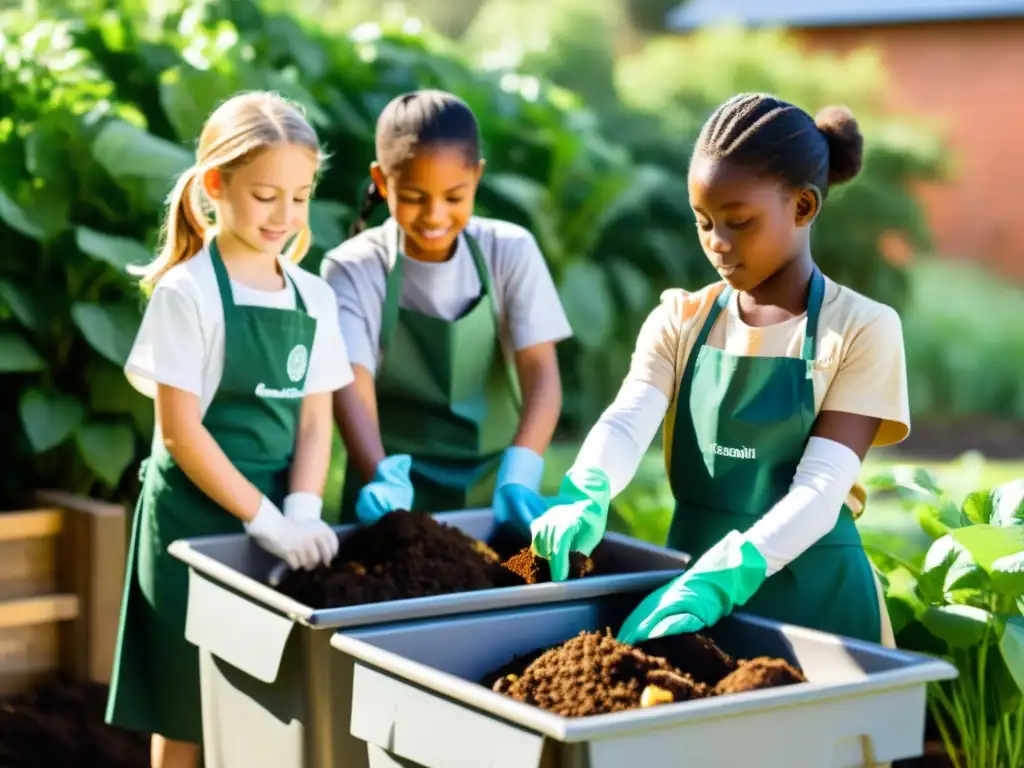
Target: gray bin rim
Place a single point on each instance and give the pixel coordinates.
(920, 668)
(330, 618)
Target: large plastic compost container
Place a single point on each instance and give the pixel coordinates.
(416, 701)
(274, 693)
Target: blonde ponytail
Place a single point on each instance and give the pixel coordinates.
(184, 230)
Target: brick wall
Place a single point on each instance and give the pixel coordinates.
(969, 76)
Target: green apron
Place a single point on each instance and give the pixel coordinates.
(740, 430)
(253, 417)
(447, 395)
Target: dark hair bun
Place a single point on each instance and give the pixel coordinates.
(845, 143)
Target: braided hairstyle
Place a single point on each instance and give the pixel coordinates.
(411, 123)
(775, 139)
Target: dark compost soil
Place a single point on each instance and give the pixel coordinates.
(61, 724)
(593, 674)
(409, 554)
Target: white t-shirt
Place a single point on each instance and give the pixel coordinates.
(529, 310)
(180, 342)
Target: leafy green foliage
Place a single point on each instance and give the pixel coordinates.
(964, 603)
(101, 111)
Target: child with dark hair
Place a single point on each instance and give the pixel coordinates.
(772, 385)
(451, 322)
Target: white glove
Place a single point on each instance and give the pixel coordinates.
(293, 542)
(305, 508)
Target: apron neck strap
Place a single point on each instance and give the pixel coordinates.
(814, 302)
(393, 291)
(227, 297)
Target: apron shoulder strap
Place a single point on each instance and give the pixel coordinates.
(814, 301)
(227, 297)
(488, 287)
(393, 285)
(300, 303)
(481, 270)
(721, 302)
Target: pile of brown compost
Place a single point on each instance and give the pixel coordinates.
(61, 724)
(409, 554)
(592, 674)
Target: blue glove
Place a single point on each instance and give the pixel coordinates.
(727, 575)
(575, 520)
(389, 490)
(516, 502)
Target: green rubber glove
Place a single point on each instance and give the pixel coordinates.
(726, 576)
(575, 520)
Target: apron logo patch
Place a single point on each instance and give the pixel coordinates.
(732, 453)
(298, 358)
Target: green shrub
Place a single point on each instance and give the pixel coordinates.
(964, 343)
(100, 112)
(964, 603)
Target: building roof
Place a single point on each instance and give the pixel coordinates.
(835, 13)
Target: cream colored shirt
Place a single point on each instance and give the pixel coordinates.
(860, 365)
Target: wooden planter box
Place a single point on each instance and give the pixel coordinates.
(61, 574)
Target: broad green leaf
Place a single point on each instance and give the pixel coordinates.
(19, 219)
(588, 303)
(961, 626)
(21, 304)
(43, 152)
(1008, 504)
(125, 150)
(287, 38)
(949, 566)
(939, 518)
(633, 285)
(289, 86)
(987, 543)
(119, 252)
(915, 637)
(109, 389)
(325, 217)
(109, 328)
(48, 419)
(107, 448)
(912, 483)
(900, 613)
(16, 356)
(532, 199)
(346, 116)
(1008, 574)
(977, 507)
(902, 586)
(1011, 646)
(189, 95)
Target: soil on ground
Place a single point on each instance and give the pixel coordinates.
(61, 724)
(408, 554)
(592, 673)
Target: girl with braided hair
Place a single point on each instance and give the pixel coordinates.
(772, 384)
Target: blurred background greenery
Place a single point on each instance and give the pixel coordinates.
(588, 115)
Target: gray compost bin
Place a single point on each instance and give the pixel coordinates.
(274, 693)
(416, 702)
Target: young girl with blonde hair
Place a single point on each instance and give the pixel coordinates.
(241, 350)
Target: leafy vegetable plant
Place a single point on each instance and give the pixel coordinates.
(965, 603)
